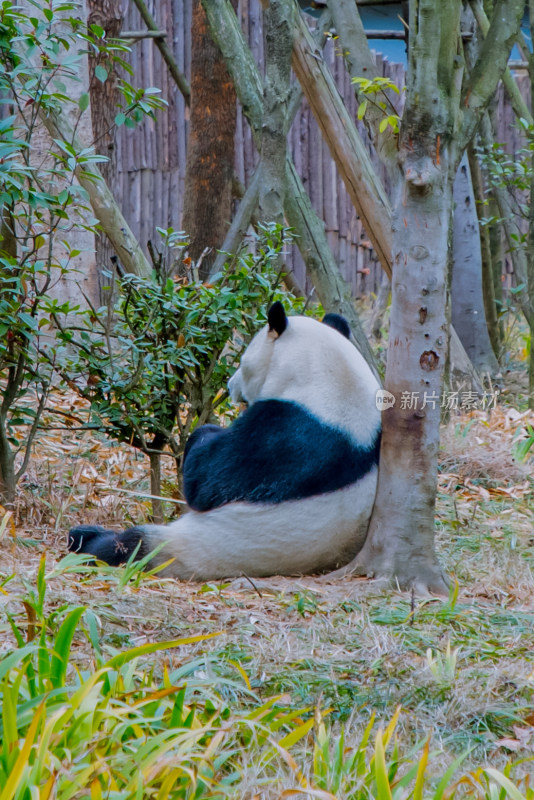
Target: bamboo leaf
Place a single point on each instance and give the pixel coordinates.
(242, 672)
(390, 730)
(9, 662)
(509, 787)
(381, 772)
(146, 649)
(420, 779)
(444, 783)
(15, 775)
(60, 655)
(295, 736)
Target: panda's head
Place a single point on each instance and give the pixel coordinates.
(314, 364)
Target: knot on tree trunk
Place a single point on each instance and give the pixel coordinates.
(421, 172)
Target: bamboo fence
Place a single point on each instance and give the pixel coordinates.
(152, 157)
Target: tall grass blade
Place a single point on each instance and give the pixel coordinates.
(153, 647)
(421, 769)
(61, 652)
(509, 787)
(381, 773)
(12, 783)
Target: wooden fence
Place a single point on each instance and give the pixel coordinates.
(152, 157)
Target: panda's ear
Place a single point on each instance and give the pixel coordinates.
(339, 323)
(277, 319)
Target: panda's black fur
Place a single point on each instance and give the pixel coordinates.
(289, 486)
(292, 455)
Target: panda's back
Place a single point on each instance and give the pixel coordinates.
(277, 451)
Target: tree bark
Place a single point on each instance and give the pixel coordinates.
(8, 479)
(278, 28)
(361, 63)
(158, 515)
(210, 146)
(467, 303)
(345, 144)
(400, 542)
(166, 52)
(105, 101)
(488, 286)
(240, 223)
(380, 306)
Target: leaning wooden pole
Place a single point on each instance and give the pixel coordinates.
(102, 201)
(345, 144)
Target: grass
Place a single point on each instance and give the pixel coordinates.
(118, 684)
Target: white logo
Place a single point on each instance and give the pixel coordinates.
(384, 400)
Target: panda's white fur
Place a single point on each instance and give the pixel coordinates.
(311, 364)
(312, 368)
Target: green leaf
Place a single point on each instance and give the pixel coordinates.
(60, 655)
(381, 772)
(83, 102)
(146, 649)
(510, 788)
(101, 73)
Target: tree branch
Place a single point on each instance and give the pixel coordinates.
(32, 433)
(516, 98)
(345, 144)
(102, 201)
(361, 63)
(490, 66)
(312, 240)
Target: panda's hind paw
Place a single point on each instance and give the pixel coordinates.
(80, 536)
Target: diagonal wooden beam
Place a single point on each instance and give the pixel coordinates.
(346, 146)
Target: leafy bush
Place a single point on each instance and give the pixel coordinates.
(41, 206)
(157, 364)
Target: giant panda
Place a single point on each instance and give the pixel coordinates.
(289, 487)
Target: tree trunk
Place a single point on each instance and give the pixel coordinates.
(105, 101)
(488, 287)
(345, 144)
(380, 306)
(440, 117)
(8, 478)
(278, 28)
(243, 218)
(400, 542)
(210, 146)
(468, 313)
